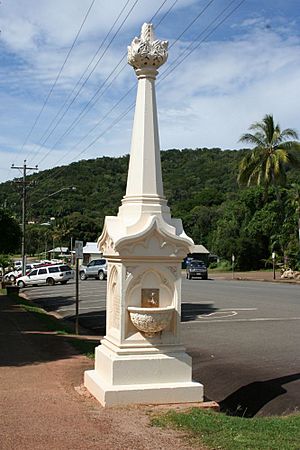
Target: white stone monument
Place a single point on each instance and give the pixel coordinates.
(141, 358)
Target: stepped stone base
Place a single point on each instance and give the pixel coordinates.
(158, 393)
(142, 378)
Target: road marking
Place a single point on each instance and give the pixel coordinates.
(259, 319)
(221, 314)
(238, 309)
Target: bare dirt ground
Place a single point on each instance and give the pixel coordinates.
(43, 404)
(255, 275)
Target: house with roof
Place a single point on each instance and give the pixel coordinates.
(59, 252)
(90, 252)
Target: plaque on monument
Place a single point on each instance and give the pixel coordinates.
(150, 298)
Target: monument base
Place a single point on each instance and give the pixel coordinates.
(158, 393)
(142, 378)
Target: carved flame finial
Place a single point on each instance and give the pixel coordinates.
(147, 32)
(146, 51)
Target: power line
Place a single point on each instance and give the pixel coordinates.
(99, 59)
(204, 39)
(167, 12)
(60, 116)
(157, 12)
(93, 100)
(24, 184)
(124, 113)
(90, 104)
(116, 121)
(165, 15)
(101, 121)
(192, 22)
(127, 93)
(58, 75)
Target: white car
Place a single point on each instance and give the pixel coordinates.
(14, 274)
(59, 273)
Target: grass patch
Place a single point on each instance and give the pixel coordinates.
(85, 347)
(50, 323)
(218, 431)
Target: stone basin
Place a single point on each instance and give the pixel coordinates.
(150, 320)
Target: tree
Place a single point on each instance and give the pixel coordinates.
(227, 229)
(10, 233)
(76, 226)
(37, 239)
(295, 195)
(266, 164)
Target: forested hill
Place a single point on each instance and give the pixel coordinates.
(200, 186)
(191, 178)
(199, 177)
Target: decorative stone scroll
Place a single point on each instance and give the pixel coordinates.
(173, 269)
(114, 295)
(146, 51)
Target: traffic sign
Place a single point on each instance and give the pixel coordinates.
(79, 249)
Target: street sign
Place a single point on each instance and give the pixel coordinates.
(79, 249)
(79, 255)
(273, 258)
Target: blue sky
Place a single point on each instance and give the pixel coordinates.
(248, 67)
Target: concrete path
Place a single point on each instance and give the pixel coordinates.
(42, 405)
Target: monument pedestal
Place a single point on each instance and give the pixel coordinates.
(142, 377)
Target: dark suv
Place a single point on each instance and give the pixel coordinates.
(95, 269)
(197, 269)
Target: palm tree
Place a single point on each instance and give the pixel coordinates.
(273, 152)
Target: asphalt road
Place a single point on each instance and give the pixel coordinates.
(243, 337)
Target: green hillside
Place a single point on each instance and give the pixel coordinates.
(201, 189)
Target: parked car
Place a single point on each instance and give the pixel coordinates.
(11, 275)
(197, 269)
(95, 269)
(59, 273)
(17, 264)
(14, 274)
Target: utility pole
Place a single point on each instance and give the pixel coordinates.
(24, 184)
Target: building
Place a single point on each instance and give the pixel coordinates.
(59, 252)
(90, 252)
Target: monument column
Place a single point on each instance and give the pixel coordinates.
(141, 358)
(144, 191)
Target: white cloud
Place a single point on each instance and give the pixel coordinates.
(227, 86)
(210, 100)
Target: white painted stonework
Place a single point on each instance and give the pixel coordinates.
(141, 358)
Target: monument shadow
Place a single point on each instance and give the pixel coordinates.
(248, 400)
